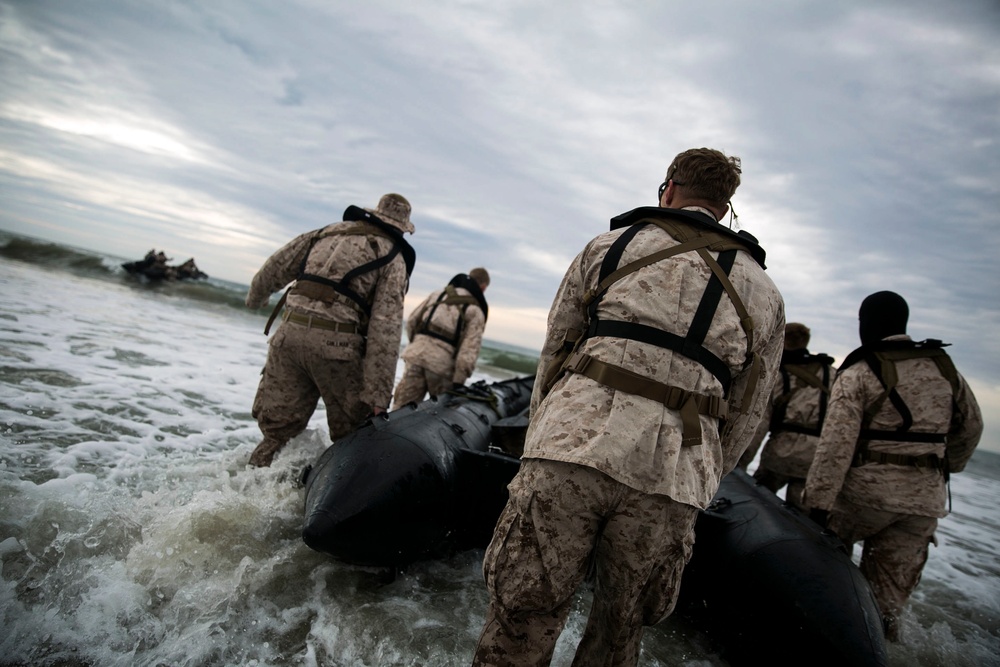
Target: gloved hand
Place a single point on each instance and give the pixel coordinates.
(457, 385)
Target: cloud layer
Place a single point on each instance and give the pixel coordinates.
(219, 130)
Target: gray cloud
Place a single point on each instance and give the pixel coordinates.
(517, 129)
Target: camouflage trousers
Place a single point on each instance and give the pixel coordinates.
(893, 556)
(298, 372)
(416, 383)
(562, 521)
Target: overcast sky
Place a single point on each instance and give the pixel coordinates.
(219, 130)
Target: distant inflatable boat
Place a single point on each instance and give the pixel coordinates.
(428, 479)
(154, 268)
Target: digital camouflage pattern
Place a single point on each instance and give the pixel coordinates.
(604, 478)
(304, 365)
(351, 372)
(894, 488)
(892, 508)
(635, 440)
(540, 554)
(788, 454)
(436, 356)
(893, 556)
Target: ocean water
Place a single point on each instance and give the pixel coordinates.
(133, 533)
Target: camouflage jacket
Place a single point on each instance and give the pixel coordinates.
(789, 451)
(903, 489)
(333, 254)
(436, 355)
(634, 439)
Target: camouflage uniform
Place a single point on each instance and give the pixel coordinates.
(433, 365)
(792, 442)
(353, 373)
(604, 472)
(892, 508)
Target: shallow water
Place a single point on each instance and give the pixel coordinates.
(132, 532)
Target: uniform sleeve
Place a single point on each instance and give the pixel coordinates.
(739, 433)
(280, 269)
(758, 437)
(413, 321)
(385, 331)
(966, 428)
(837, 442)
(566, 314)
(468, 349)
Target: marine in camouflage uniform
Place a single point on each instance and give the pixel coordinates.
(612, 479)
(794, 417)
(880, 471)
(342, 323)
(445, 333)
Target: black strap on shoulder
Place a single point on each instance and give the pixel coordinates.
(342, 286)
(354, 213)
(467, 282)
(801, 364)
(691, 345)
(449, 297)
(881, 357)
(425, 325)
(699, 220)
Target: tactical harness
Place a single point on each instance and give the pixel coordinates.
(694, 233)
(805, 367)
(450, 297)
(326, 289)
(882, 357)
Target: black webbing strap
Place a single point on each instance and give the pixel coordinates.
(690, 345)
(447, 297)
(801, 371)
(902, 436)
(667, 340)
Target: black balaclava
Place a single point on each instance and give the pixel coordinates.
(882, 314)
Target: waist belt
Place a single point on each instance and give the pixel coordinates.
(313, 322)
(922, 461)
(690, 404)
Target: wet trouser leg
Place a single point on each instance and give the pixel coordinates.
(285, 401)
(557, 516)
(893, 555)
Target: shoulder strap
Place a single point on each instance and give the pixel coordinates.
(448, 297)
(882, 358)
(690, 345)
(318, 287)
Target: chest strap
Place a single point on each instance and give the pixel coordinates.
(803, 371)
(448, 297)
(690, 404)
(321, 288)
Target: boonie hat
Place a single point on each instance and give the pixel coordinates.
(395, 210)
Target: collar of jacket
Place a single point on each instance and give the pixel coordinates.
(888, 344)
(694, 218)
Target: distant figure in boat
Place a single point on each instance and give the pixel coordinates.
(154, 267)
